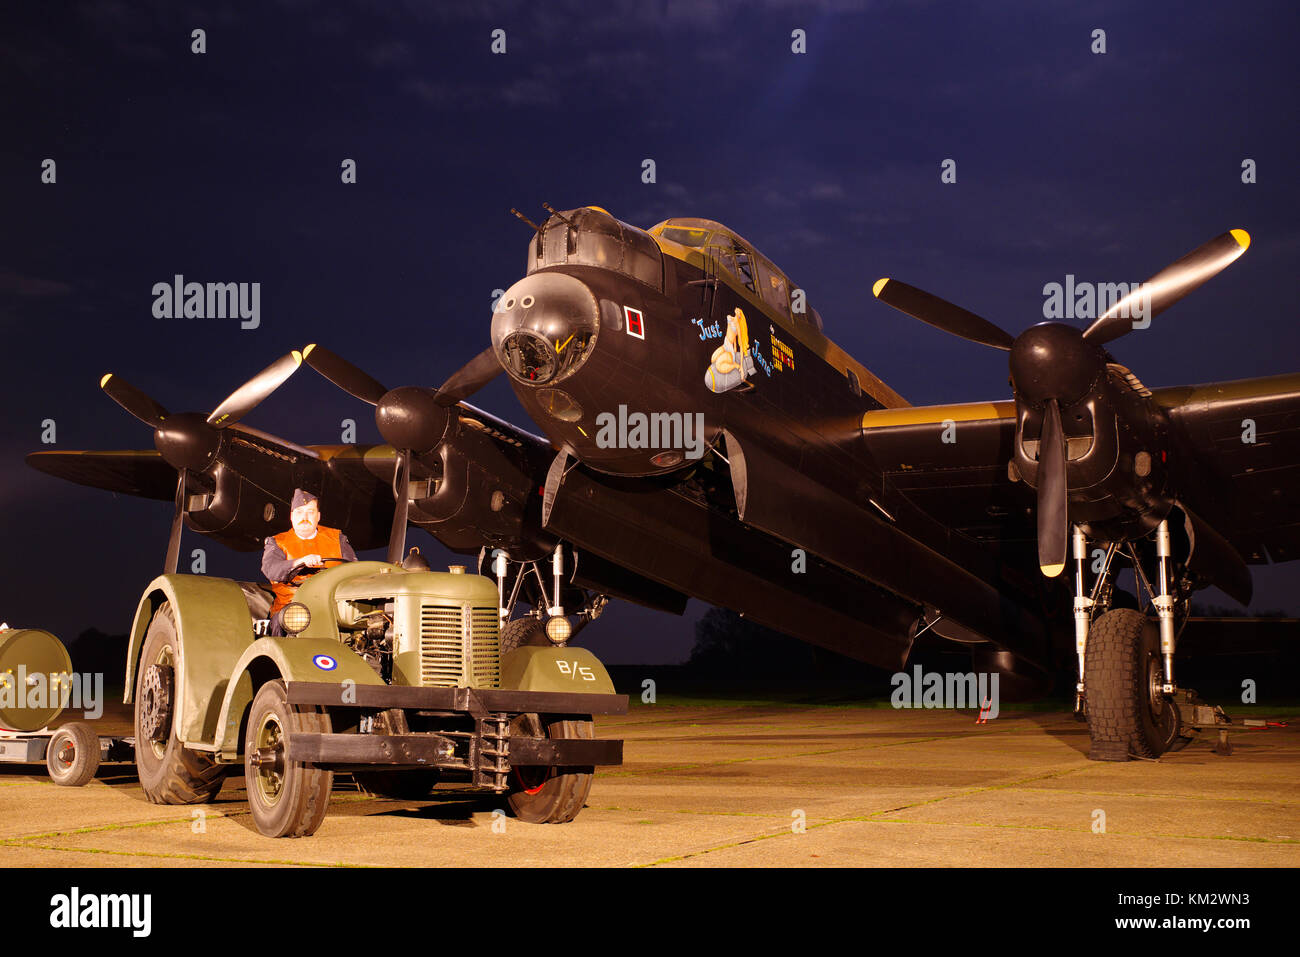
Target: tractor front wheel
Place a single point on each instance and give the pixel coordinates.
(287, 798)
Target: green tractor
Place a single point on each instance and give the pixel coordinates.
(396, 675)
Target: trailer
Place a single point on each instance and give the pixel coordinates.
(36, 686)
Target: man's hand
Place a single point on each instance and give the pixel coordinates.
(313, 561)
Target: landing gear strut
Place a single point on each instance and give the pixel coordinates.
(1126, 684)
(548, 604)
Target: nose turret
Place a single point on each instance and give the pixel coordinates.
(545, 327)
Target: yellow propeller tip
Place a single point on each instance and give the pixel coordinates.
(306, 352)
(1242, 237)
(879, 285)
(1051, 571)
(104, 381)
(297, 357)
(601, 209)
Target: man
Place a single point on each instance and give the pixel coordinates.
(306, 545)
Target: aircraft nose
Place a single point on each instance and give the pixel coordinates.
(544, 327)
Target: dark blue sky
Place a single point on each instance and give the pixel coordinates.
(225, 167)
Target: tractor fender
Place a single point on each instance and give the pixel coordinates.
(535, 668)
(213, 627)
(287, 659)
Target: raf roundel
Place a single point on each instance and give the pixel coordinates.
(325, 663)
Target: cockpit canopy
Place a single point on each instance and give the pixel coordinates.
(589, 236)
(730, 255)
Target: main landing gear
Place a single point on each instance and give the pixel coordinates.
(1126, 684)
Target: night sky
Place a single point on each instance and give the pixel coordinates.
(225, 167)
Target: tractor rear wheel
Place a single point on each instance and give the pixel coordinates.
(169, 772)
(549, 795)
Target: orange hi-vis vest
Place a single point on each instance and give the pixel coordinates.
(325, 544)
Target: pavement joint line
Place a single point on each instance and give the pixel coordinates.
(1180, 796)
(702, 813)
(232, 812)
(795, 754)
(868, 819)
(187, 857)
(710, 850)
(1082, 830)
(21, 840)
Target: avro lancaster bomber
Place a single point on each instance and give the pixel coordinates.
(758, 466)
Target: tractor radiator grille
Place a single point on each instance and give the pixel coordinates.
(459, 647)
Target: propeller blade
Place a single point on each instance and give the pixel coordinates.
(178, 521)
(1168, 286)
(344, 374)
(133, 400)
(247, 397)
(397, 537)
(471, 377)
(1053, 518)
(940, 313)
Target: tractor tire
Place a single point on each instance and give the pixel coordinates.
(398, 785)
(169, 772)
(72, 755)
(1127, 713)
(522, 631)
(287, 798)
(549, 795)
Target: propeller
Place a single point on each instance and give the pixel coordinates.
(412, 419)
(1054, 365)
(1053, 513)
(940, 313)
(1169, 285)
(188, 441)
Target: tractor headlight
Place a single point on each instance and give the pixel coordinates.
(558, 629)
(296, 617)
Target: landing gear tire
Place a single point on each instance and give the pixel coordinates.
(287, 798)
(72, 756)
(522, 631)
(1123, 674)
(398, 785)
(169, 772)
(549, 795)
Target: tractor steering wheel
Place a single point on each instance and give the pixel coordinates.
(308, 570)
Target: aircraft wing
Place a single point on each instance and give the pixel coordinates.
(141, 473)
(1240, 441)
(1245, 439)
(950, 462)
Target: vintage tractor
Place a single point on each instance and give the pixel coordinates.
(394, 674)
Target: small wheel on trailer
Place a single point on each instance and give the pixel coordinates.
(287, 798)
(1128, 711)
(72, 755)
(170, 773)
(549, 795)
(398, 785)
